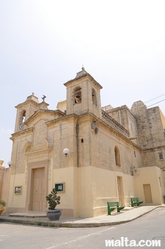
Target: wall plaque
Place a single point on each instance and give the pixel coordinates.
(60, 187)
(18, 190)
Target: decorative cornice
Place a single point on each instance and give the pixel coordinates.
(83, 74)
(19, 106)
(22, 132)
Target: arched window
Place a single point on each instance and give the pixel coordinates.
(94, 100)
(22, 118)
(77, 95)
(117, 156)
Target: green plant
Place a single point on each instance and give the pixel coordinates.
(53, 199)
(2, 203)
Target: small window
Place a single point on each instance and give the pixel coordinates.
(134, 153)
(77, 95)
(94, 100)
(160, 155)
(117, 156)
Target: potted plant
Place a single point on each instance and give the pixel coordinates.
(2, 205)
(53, 200)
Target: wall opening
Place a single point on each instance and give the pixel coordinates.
(22, 118)
(94, 99)
(117, 156)
(77, 95)
(160, 154)
(147, 193)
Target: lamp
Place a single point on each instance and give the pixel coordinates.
(10, 163)
(66, 151)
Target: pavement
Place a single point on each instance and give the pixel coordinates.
(40, 219)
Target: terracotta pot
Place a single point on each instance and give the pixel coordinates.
(53, 214)
(1, 210)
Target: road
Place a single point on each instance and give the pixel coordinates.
(148, 227)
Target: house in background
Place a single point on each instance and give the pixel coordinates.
(112, 153)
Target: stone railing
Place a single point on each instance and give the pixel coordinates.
(114, 124)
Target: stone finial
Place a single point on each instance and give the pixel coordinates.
(81, 73)
(32, 97)
(1, 162)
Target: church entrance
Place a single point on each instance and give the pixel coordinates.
(37, 186)
(38, 189)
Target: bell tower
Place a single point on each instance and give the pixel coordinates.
(83, 95)
(25, 110)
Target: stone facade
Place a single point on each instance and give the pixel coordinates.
(109, 150)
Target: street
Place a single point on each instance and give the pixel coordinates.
(148, 227)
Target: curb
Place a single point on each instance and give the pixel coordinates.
(69, 224)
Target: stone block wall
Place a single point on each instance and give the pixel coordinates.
(4, 182)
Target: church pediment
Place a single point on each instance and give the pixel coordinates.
(46, 115)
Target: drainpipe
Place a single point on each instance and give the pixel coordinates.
(77, 142)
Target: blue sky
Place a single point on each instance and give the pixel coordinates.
(44, 43)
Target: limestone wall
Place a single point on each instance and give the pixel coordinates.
(17, 202)
(2, 168)
(97, 149)
(4, 183)
(125, 118)
(104, 188)
(152, 176)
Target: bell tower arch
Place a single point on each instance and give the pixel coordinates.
(83, 95)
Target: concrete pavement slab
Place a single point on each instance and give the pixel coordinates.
(40, 219)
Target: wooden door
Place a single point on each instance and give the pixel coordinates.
(147, 193)
(120, 190)
(38, 191)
